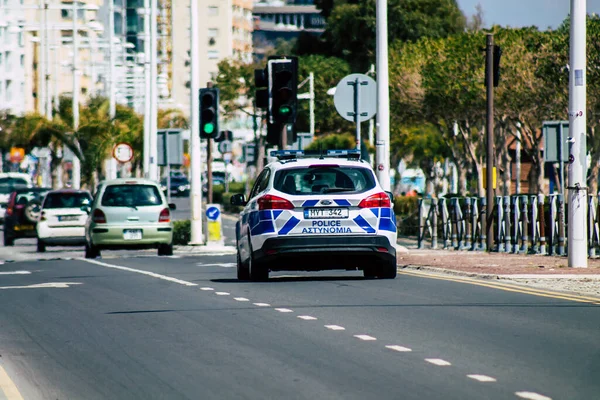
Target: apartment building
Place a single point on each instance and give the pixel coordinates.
(12, 58)
(225, 30)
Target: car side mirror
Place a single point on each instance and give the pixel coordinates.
(238, 199)
(172, 206)
(86, 209)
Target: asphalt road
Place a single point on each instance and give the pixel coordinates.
(185, 328)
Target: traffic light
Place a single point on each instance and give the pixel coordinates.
(209, 113)
(282, 74)
(261, 83)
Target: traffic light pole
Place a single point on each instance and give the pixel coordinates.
(382, 138)
(209, 159)
(489, 172)
(283, 137)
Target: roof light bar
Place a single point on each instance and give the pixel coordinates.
(293, 154)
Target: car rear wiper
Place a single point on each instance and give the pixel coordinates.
(132, 206)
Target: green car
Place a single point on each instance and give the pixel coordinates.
(129, 214)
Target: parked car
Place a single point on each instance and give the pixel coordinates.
(129, 214)
(9, 181)
(22, 214)
(311, 214)
(62, 220)
(180, 186)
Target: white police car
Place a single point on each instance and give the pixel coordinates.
(316, 213)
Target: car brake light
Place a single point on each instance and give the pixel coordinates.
(375, 201)
(99, 217)
(165, 216)
(270, 202)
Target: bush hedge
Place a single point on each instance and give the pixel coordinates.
(406, 209)
(182, 232)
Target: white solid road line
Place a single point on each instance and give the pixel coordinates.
(532, 396)
(335, 327)
(365, 337)
(222, 265)
(139, 271)
(262, 304)
(438, 361)
(240, 299)
(8, 387)
(482, 378)
(306, 317)
(15, 272)
(57, 285)
(398, 348)
(284, 310)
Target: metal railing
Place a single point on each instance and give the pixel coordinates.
(522, 224)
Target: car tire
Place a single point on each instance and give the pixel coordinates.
(41, 246)
(8, 240)
(369, 273)
(388, 269)
(32, 211)
(258, 271)
(165, 249)
(91, 251)
(243, 271)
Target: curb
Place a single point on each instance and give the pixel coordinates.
(445, 271)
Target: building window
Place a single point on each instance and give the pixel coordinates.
(213, 33)
(213, 11)
(7, 61)
(213, 54)
(22, 60)
(9, 89)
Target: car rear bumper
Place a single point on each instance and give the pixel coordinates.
(323, 253)
(47, 233)
(112, 237)
(64, 241)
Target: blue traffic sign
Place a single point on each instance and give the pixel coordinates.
(212, 213)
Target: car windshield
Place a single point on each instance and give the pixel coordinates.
(324, 179)
(67, 200)
(8, 185)
(131, 196)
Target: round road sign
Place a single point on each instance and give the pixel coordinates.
(212, 213)
(123, 152)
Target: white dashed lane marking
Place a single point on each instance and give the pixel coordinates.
(438, 361)
(335, 327)
(365, 337)
(15, 272)
(532, 396)
(398, 348)
(206, 289)
(262, 304)
(240, 299)
(482, 378)
(284, 310)
(222, 293)
(306, 317)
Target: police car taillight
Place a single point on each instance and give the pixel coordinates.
(375, 201)
(270, 202)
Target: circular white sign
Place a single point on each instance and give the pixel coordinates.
(123, 152)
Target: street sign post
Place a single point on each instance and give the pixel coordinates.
(214, 227)
(355, 100)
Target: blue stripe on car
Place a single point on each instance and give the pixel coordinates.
(289, 225)
(387, 224)
(310, 203)
(375, 211)
(276, 213)
(386, 213)
(342, 202)
(360, 221)
(261, 222)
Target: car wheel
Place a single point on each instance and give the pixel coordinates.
(165, 249)
(243, 272)
(91, 251)
(41, 246)
(369, 272)
(388, 269)
(32, 211)
(8, 240)
(258, 271)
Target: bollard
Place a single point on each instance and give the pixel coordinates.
(552, 237)
(591, 228)
(421, 226)
(561, 225)
(533, 225)
(507, 233)
(454, 219)
(434, 211)
(474, 219)
(482, 218)
(445, 222)
(542, 218)
(499, 225)
(524, 225)
(516, 216)
(468, 224)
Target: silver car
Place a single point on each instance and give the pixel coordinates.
(129, 214)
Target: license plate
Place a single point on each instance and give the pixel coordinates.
(132, 234)
(64, 218)
(337, 212)
(23, 227)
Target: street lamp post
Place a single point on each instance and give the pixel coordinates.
(76, 169)
(382, 142)
(153, 170)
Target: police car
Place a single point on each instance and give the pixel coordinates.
(313, 213)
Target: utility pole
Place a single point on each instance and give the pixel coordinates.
(153, 171)
(195, 151)
(112, 107)
(76, 166)
(48, 93)
(577, 190)
(41, 92)
(382, 142)
(147, 91)
(489, 142)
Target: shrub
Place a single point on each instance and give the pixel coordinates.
(182, 232)
(406, 209)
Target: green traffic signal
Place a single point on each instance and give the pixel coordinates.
(209, 128)
(285, 110)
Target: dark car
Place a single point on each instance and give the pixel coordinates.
(180, 186)
(22, 213)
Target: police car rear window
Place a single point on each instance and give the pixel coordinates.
(324, 179)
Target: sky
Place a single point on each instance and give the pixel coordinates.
(519, 13)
